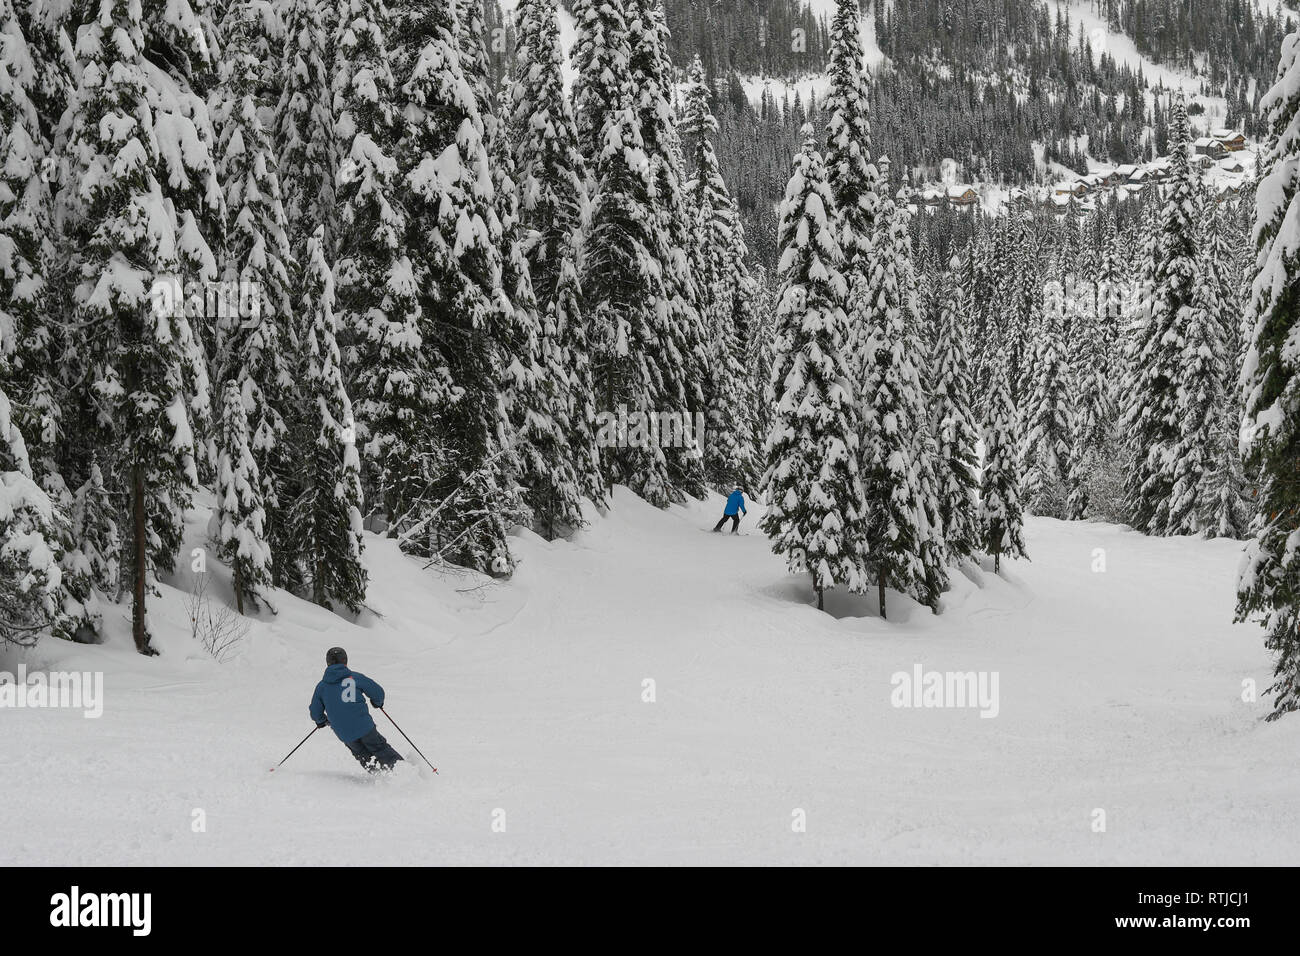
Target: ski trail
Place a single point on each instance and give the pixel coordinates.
(1118, 690)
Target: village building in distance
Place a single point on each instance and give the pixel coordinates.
(1223, 158)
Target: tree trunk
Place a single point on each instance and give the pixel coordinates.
(820, 606)
(881, 588)
(318, 582)
(239, 588)
(139, 530)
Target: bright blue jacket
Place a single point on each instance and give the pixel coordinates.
(735, 503)
(338, 697)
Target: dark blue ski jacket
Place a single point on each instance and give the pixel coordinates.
(735, 503)
(338, 697)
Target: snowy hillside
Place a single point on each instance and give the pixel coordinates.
(1117, 690)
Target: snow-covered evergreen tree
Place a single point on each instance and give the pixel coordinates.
(91, 566)
(35, 80)
(1047, 413)
(904, 539)
(325, 516)
(135, 341)
(552, 183)
(239, 516)
(1268, 588)
(1227, 507)
(600, 57)
(33, 533)
(455, 241)
(1001, 519)
(534, 387)
(725, 297)
(623, 280)
(30, 575)
(1202, 404)
(48, 29)
(1156, 352)
(952, 423)
(181, 44)
(684, 371)
(814, 495)
(855, 180)
(393, 392)
(1094, 336)
(258, 333)
(304, 126)
(1020, 304)
(29, 330)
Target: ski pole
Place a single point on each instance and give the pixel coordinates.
(294, 750)
(409, 740)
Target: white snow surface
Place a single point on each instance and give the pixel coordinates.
(1118, 690)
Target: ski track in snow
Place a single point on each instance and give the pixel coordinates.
(1118, 690)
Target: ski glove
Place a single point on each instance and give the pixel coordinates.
(322, 723)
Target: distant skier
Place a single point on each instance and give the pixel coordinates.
(735, 508)
(338, 702)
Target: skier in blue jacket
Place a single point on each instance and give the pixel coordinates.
(735, 508)
(338, 702)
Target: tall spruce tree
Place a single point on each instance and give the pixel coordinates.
(1202, 404)
(1268, 589)
(258, 333)
(136, 341)
(1048, 413)
(952, 423)
(1156, 374)
(239, 517)
(325, 516)
(600, 57)
(855, 180)
(32, 589)
(725, 297)
(685, 372)
(392, 390)
(1227, 510)
(624, 279)
(455, 239)
(534, 378)
(814, 495)
(552, 182)
(29, 330)
(304, 126)
(30, 575)
(904, 542)
(1001, 519)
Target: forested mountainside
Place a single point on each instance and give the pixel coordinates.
(750, 37)
(991, 91)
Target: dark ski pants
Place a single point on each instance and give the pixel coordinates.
(374, 752)
(735, 523)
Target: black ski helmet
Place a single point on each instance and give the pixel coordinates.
(336, 655)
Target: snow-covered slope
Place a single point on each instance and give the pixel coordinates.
(1086, 21)
(1118, 690)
